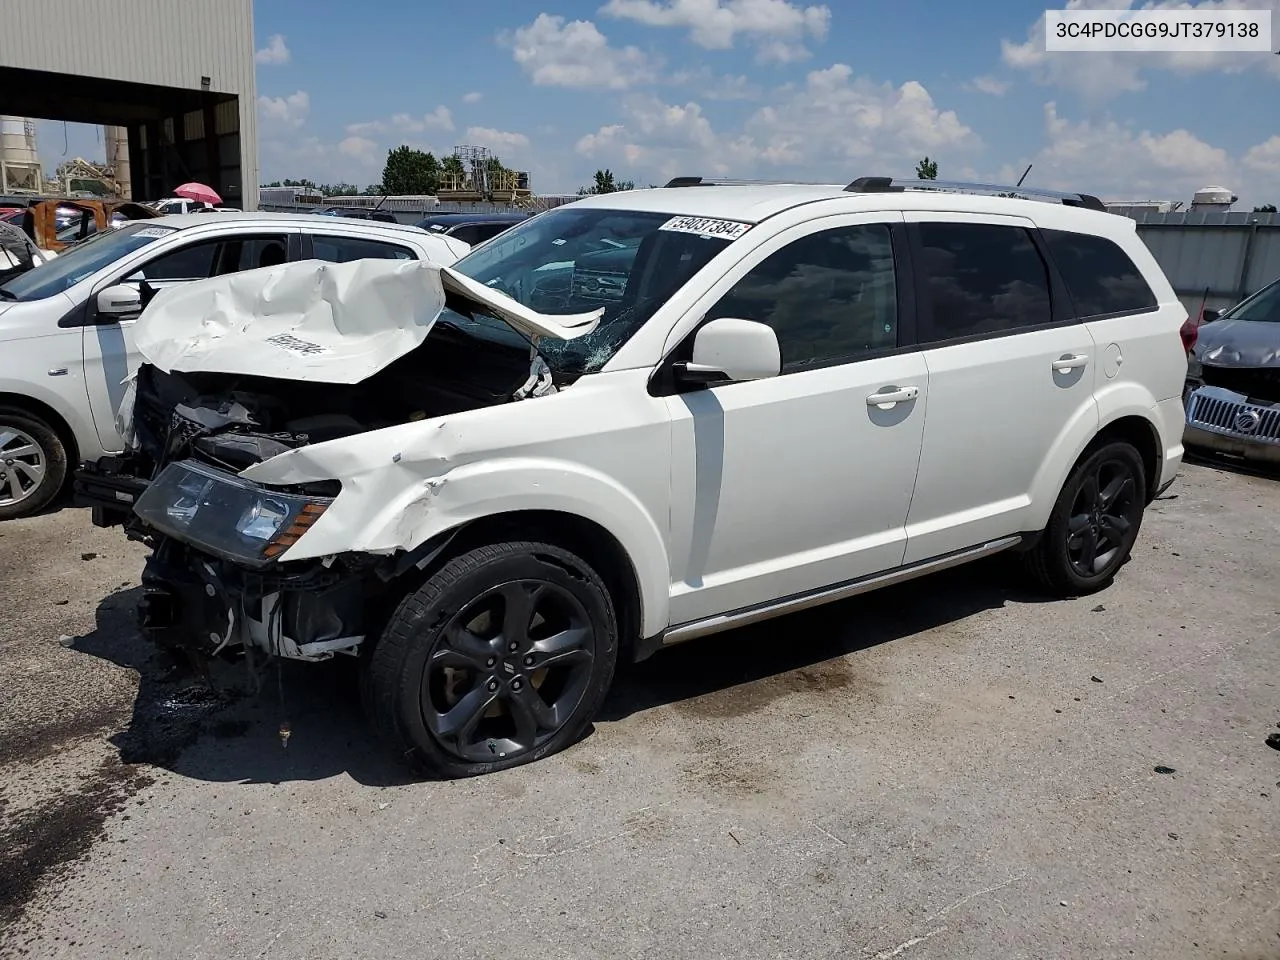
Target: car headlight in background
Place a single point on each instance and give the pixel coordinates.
(226, 515)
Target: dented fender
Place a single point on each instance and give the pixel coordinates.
(404, 485)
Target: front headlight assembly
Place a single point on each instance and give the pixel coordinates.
(225, 515)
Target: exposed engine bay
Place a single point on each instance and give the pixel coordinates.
(212, 584)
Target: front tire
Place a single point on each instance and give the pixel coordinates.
(1094, 522)
(501, 658)
(33, 463)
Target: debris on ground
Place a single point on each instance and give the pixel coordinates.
(88, 556)
(1096, 679)
(1164, 769)
(1273, 741)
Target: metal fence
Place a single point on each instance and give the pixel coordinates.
(1213, 258)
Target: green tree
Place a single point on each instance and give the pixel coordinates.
(339, 189)
(604, 182)
(452, 171)
(927, 169)
(374, 190)
(410, 171)
(1265, 208)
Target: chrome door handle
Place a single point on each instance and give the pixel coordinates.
(58, 372)
(889, 395)
(1071, 361)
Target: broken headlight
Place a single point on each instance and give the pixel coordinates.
(226, 515)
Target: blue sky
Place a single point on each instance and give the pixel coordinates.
(754, 88)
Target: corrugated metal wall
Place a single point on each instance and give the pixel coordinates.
(170, 43)
(1231, 255)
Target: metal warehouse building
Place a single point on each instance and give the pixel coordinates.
(178, 75)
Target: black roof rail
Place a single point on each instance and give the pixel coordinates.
(727, 182)
(895, 185)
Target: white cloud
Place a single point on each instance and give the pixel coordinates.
(555, 53)
(275, 52)
(776, 26)
(441, 118)
(707, 85)
(989, 85)
(496, 140)
(475, 96)
(1105, 75)
(360, 148)
(835, 126)
(1117, 162)
(1265, 157)
(290, 111)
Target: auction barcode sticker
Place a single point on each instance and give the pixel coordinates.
(1158, 31)
(706, 227)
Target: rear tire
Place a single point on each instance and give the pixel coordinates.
(1094, 522)
(501, 658)
(33, 463)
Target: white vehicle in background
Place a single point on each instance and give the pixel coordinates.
(175, 205)
(634, 420)
(66, 327)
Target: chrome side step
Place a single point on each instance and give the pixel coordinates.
(803, 601)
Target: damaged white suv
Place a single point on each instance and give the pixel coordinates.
(632, 421)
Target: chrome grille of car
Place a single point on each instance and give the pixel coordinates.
(1222, 411)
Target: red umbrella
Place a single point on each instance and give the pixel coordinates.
(198, 192)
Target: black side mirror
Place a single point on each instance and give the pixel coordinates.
(1208, 316)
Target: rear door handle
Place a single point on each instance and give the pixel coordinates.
(888, 395)
(1070, 361)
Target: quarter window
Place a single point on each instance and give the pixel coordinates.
(830, 296)
(1100, 277)
(982, 279)
(342, 249)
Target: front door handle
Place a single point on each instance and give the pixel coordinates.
(1070, 361)
(889, 395)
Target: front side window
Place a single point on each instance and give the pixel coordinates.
(192, 262)
(83, 260)
(1100, 277)
(831, 297)
(982, 279)
(344, 249)
(571, 261)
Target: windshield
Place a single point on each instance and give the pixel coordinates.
(85, 258)
(1262, 307)
(576, 261)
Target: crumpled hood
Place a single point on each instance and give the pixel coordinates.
(1238, 343)
(330, 322)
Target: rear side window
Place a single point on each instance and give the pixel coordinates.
(1100, 277)
(343, 249)
(982, 279)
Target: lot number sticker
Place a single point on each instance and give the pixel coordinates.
(154, 232)
(705, 227)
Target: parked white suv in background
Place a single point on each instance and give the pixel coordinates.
(641, 418)
(66, 328)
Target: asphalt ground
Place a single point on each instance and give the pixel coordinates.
(948, 769)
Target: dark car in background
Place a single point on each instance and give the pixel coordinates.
(1233, 380)
(472, 228)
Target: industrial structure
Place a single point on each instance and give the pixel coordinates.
(172, 83)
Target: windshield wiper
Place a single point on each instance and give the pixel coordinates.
(7, 295)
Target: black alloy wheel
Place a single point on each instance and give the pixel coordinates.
(1094, 523)
(502, 657)
(1105, 510)
(508, 670)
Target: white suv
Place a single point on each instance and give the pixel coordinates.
(752, 399)
(66, 328)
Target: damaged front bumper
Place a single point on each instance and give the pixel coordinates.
(1230, 423)
(193, 601)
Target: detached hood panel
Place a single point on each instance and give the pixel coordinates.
(1239, 343)
(330, 322)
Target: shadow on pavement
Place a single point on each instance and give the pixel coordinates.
(216, 726)
(807, 640)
